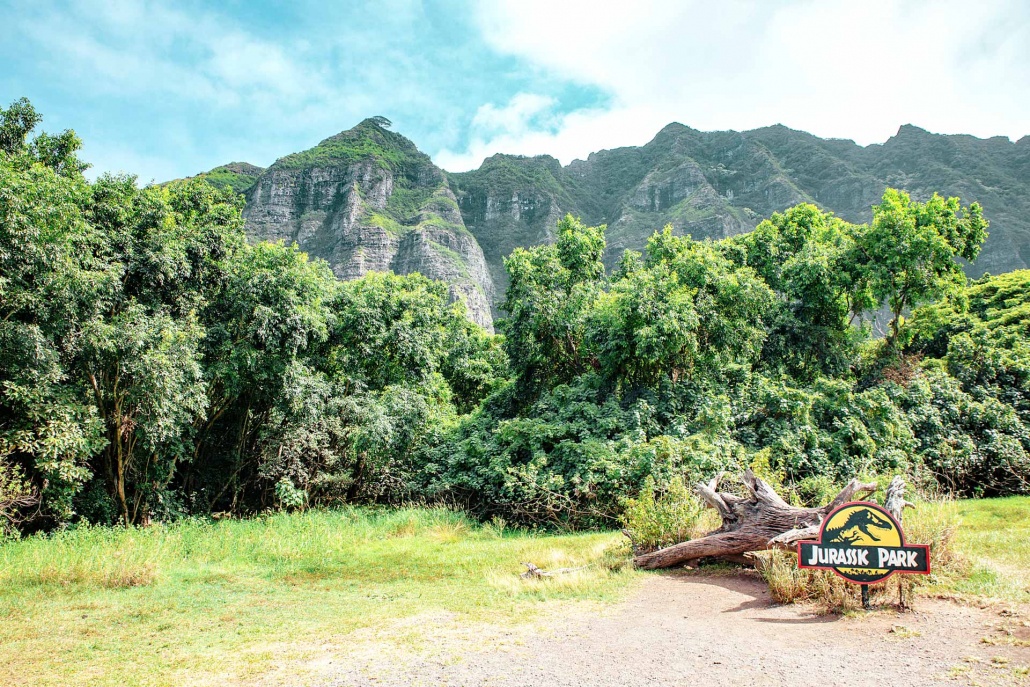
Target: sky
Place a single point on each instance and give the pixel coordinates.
(164, 89)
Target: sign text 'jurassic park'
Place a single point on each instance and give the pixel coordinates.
(863, 543)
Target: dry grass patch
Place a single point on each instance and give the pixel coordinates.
(934, 523)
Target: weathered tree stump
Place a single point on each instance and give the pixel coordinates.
(759, 522)
(895, 502)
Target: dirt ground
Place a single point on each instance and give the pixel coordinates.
(690, 629)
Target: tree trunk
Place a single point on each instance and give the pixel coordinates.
(759, 522)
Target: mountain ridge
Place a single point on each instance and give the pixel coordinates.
(459, 226)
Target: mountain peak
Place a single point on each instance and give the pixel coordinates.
(369, 139)
(911, 130)
(675, 128)
(240, 168)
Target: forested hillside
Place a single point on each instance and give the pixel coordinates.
(156, 364)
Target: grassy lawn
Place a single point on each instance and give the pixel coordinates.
(227, 602)
(217, 603)
(995, 537)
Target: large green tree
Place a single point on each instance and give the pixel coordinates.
(140, 356)
(551, 288)
(51, 278)
(909, 252)
(807, 257)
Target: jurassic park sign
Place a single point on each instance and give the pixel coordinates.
(863, 543)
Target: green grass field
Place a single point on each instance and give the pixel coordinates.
(225, 602)
(201, 602)
(995, 538)
(988, 555)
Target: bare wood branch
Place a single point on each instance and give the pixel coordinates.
(533, 571)
(850, 493)
(762, 491)
(791, 537)
(895, 502)
(715, 500)
(632, 542)
(761, 521)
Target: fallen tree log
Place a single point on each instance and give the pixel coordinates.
(760, 521)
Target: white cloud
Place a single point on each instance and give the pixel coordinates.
(149, 47)
(566, 137)
(152, 55)
(835, 68)
(515, 116)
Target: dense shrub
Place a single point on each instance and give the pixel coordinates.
(653, 521)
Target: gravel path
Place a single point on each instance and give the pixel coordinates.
(700, 630)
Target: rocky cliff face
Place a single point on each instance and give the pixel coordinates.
(717, 184)
(367, 200)
(510, 202)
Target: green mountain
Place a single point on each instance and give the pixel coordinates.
(239, 176)
(368, 199)
(716, 184)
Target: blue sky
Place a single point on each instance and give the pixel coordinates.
(164, 89)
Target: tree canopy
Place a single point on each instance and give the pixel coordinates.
(156, 364)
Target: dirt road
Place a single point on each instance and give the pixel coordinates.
(695, 630)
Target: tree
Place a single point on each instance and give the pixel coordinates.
(398, 361)
(144, 372)
(269, 314)
(57, 152)
(139, 355)
(645, 327)
(16, 123)
(551, 289)
(730, 301)
(806, 256)
(909, 252)
(51, 279)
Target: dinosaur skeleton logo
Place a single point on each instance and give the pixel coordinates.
(863, 543)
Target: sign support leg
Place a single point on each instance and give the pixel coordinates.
(865, 597)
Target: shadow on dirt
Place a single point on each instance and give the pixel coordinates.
(747, 583)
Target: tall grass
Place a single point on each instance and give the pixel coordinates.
(96, 557)
(977, 547)
(201, 601)
(431, 545)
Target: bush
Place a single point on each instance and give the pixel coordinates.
(971, 447)
(15, 493)
(658, 520)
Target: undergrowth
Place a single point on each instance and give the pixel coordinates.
(656, 519)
